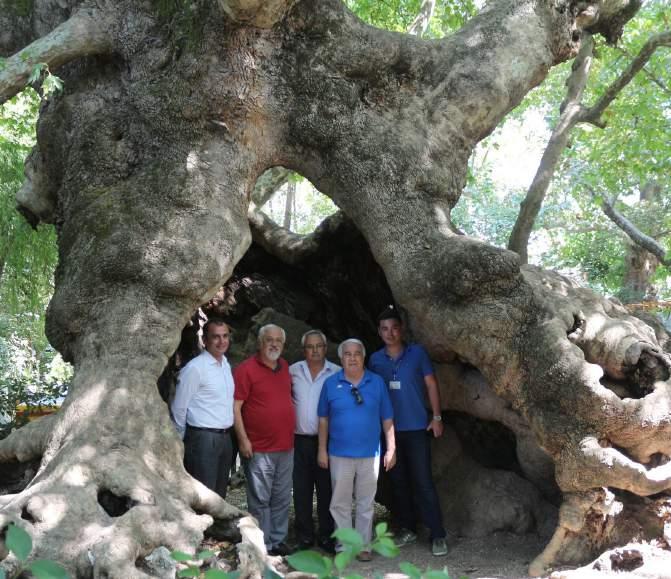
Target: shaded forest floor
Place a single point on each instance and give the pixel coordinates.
(500, 555)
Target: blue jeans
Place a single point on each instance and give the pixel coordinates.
(411, 479)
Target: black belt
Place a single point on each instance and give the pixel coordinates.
(205, 429)
(307, 435)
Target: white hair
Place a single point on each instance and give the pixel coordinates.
(351, 341)
(263, 330)
(313, 333)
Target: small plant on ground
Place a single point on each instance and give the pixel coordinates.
(352, 544)
(19, 542)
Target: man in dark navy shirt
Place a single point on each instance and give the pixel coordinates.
(409, 375)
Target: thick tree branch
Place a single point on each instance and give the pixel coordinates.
(268, 184)
(85, 33)
(569, 117)
(635, 234)
(593, 114)
(289, 247)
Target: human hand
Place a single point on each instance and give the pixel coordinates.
(246, 448)
(389, 459)
(323, 459)
(436, 426)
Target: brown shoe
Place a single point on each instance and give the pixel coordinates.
(365, 556)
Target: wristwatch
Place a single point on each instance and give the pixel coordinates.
(438, 418)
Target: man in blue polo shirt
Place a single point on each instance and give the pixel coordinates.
(351, 407)
(409, 375)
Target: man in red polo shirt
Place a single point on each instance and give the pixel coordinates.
(264, 423)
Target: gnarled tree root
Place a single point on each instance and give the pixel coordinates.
(100, 510)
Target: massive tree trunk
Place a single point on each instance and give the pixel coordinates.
(147, 163)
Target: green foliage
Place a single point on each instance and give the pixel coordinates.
(19, 542)
(352, 544)
(32, 374)
(311, 207)
(397, 15)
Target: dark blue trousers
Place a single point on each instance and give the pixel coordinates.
(414, 490)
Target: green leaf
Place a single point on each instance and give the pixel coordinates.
(36, 72)
(189, 572)
(216, 574)
(410, 570)
(349, 537)
(431, 574)
(206, 554)
(19, 542)
(381, 529)
(181, 556)
(386, 548)
(353, 576)
(43, 569)
(343, 559)
(52, 84)
(308, 562)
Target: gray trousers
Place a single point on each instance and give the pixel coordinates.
(268, 481)
(208, 456)
(356, 476)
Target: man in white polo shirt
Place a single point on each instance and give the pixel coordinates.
(307, 379)
(203, 409)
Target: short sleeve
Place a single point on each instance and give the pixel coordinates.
(242, 382)
(386, 409)
(323, 406)
(425, 362)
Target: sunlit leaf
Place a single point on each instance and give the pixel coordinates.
(308, 562)
(43, 569)
(18, 542)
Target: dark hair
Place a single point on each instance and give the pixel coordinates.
(389, 313)
(213, 322)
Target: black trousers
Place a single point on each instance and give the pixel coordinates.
(208, 456)
(307, 476)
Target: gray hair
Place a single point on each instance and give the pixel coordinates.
(351, 341)
(263, 330)
(313, 333)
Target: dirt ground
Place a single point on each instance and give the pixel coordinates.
(501, 555)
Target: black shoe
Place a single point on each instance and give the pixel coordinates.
(304, 545)
(327, 545)
(281, 550)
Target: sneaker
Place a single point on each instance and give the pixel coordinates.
(364, 556)
(405, 537)
(439, 547)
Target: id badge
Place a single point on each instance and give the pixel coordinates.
(395, 385)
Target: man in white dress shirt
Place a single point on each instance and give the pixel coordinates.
(203, 409)
(307, 379)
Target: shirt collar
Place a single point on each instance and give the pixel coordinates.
(212, 360)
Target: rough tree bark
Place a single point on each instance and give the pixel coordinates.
(149, 159)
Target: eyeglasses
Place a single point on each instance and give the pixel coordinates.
(315, 347)
(357, 395)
